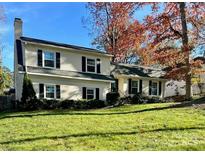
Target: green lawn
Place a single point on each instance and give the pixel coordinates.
(130, 127)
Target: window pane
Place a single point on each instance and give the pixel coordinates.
(91, 62)
(134, 90)
(154, 88)
(90, 65)
(50, 95)
(135, 84)
(49, 63)
(90, 91)
(90, 96)
(90, 68)
(49, 56)
(49, 59)
(50, 91)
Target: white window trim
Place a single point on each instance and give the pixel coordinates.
(43, 59)
(157, 88)
(138, 85)
(90, 65)
(45, 91)
(94, 92)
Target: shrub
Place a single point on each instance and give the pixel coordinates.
(67, 104)
(28, 100)
(80, 104)
(178, 98)
(112, 98)
(124, 100)
(152, 99)
(93, 104)
(50, 104)
(137, 99)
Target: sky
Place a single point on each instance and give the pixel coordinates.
(60, 22)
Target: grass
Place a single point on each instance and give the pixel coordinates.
(129, 127)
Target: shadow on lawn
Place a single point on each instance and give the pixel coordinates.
(180, 105)
(99, 134)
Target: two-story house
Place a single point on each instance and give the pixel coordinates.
(63, 71)
(60, 71)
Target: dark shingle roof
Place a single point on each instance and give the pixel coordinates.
(64, 45)
(128, 69)
(200, 58)
(68, 73)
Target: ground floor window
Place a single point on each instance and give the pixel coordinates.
(50, 91)
(135, 87)
(90, 93)
(154, 88)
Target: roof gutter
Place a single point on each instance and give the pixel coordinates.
(137, 76)
(55, 46)
(67, 77)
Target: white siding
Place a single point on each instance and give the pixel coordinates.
(123, 86)
(71, 88)
(70, 59)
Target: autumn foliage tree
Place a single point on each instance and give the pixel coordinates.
(173, 34)
(115, 29)
(168, 36)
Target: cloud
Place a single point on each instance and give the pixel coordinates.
(4, 29)
(19, 8)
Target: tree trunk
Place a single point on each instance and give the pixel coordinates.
(185, 48)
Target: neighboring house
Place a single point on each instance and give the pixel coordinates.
(198, 80)
(62, 71)
(174, 88)
(133, 79)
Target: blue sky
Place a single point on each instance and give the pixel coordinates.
(61, 22)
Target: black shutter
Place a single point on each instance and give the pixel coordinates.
(58, 60)
(116, 84)
(160, 88)
(83, 64)
(97, 92)
(19, 52)
(40, 58)
(58, 91)
(130, 86)
(140, 90)
(84, 93)
(98, 66)
(150, 87)
(41, 90)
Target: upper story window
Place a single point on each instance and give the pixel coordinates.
(90, 65)
(135, 87)
(154, 88)
(49, 59)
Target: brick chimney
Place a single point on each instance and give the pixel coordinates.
(18, 23)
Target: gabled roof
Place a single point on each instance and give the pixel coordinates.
(28, 39)
(72, 74)
(129, 69)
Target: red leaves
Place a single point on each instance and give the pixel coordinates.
(164, 31)
(118, 33)
(157, 40)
